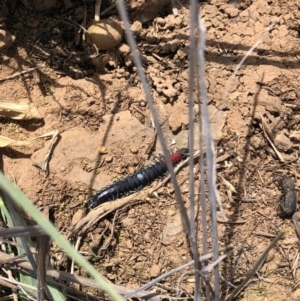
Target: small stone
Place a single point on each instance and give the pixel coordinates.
(148, 236)
(255, 142)
(174, 123)
(182, 53)
(131, 170)
(282, 142)
(119, 170)
(102, 150)
(124, 49)
(82, 111)
(108, 159)
(129, 244)
(6, 39)
(154, 271)
(173, 230)
(134, 149)
(91, 102)
(288, 199)
(230, 10)
(175, 45)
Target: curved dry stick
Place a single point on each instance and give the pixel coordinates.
(64, 276)
(178, 269)
(101, 211)
(255, 268)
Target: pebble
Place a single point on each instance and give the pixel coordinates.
(124, 49)
(283, 142)
(91, 102)
(288, 199)
(108, 159)
(119, 170)
(134, 149)
(154, 271)
(131, 170)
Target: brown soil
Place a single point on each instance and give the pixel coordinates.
(94, 107)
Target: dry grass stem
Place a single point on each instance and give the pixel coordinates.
(269, 137)
(255, 268)
(18, 74)
(19, 111)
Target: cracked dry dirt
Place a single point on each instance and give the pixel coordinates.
(92, 109)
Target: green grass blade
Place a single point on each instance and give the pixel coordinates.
(18, 196)
(25, 278)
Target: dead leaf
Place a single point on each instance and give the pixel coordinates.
(5, 142)
(19, 111)
(77, 216)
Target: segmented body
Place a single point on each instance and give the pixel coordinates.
(135, 181)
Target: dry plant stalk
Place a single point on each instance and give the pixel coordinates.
(267, 133)
(24, 111)
(7, 142)
(19, 111)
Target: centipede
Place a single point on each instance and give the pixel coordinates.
(136, 181)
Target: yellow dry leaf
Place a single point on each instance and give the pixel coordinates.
(19, 111)
(5, 142)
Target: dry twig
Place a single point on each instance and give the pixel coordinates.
(255, 268)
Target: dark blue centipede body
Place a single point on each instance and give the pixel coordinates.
(135, 181)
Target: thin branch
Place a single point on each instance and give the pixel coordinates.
(138, 63)
(178, 269)
(210, 157)
(255, 268)
(193, 59)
